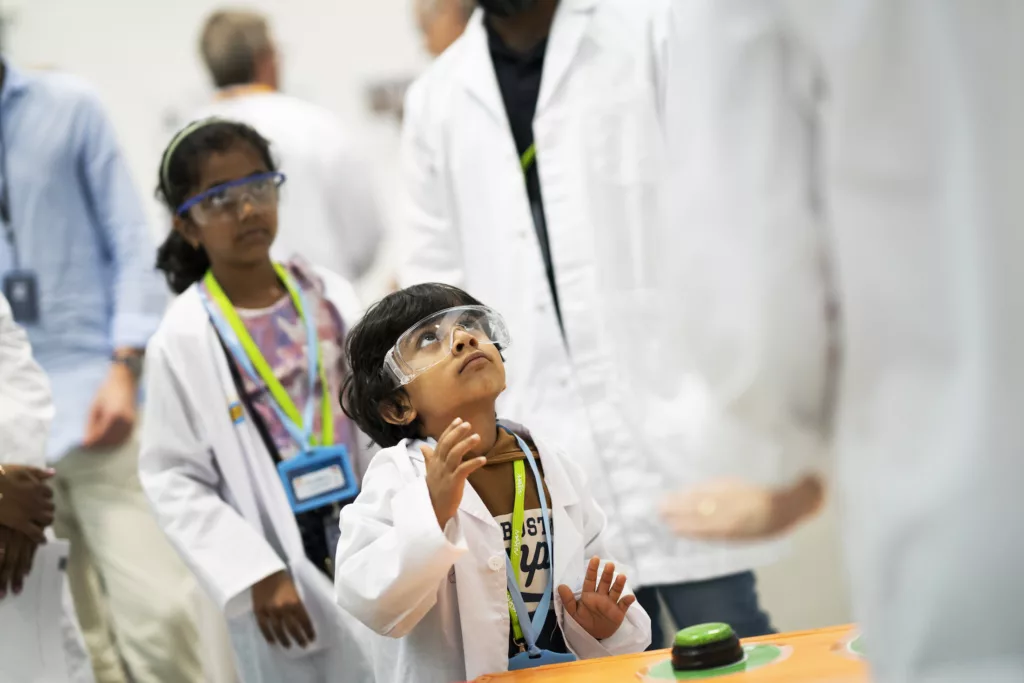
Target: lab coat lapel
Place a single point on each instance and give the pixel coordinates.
(202, 356)
(478, 75)
(567, 32)
(240, 453)
(568, 541)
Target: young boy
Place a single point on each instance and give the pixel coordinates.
(424, 551)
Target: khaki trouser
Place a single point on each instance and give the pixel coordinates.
(133, 595)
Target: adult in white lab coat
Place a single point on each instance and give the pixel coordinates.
(330, 201)
(883, 141)
(419, 617)
(612, 389)
(26, 409)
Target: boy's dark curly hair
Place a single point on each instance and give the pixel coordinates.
(368, 386)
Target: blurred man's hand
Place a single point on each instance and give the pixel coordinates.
(735, 510)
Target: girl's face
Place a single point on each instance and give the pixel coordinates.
(237, 227)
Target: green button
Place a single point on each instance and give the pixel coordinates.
(703, 634)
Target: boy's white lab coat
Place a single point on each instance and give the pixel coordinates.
(26, 410)
(440, 596)
(217, 495)
(621, 389)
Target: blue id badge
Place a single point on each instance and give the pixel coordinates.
(525, 660)
(318, 477)
(21, 289)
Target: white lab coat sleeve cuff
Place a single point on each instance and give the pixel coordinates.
(240, 602)
(633, 635)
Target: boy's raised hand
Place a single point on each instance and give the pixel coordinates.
(601, 607)
(446, 472)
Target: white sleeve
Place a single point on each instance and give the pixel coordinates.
(393, 556)
(26, 406)
(181, 478)
(355, 204)
(431, 249)
(634, 634)
(755, 287)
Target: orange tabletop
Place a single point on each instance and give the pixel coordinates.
(811, 657)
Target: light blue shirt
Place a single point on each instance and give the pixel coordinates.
(80, 227)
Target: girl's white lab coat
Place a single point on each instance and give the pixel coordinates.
(26, 410)
(618, 398)
(440, 596)
(882, 140)
(217, 495)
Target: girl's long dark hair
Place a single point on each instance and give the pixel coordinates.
(182, 264)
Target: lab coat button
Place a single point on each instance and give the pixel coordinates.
(495, 563)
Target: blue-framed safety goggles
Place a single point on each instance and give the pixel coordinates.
(260, 190)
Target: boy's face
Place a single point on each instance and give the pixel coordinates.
(472, 374)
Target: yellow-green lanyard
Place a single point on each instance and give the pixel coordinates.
(529, 156)
(516, 547)
(284, 401)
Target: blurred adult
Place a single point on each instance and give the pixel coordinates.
(331, 195)
(532, 154)
(442, 22)
(77, 269)
(26, 506)
(869, 152)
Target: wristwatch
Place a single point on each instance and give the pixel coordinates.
(132, 361)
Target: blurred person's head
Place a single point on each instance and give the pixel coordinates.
(238, 49)
(443, 21)
(220, 184)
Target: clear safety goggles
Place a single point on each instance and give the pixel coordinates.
(431, 340)
(225, 200)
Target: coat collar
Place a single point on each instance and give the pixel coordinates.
(567, 32)
(564, 497)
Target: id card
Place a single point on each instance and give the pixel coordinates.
(318, 477)
(524, 660)
(21, 289)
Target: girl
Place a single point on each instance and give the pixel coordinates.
(243, 449)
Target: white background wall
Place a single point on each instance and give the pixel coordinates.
(142, 56)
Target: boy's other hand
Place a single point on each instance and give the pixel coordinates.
(280, 613)
(446, 472)
(601, 607)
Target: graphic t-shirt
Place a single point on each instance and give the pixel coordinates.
(280, 335)
(495, 484)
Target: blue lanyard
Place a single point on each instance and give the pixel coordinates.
(302, 436)
(531, 628)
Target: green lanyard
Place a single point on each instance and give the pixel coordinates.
(529, 157)
(284, 401)
(516, 547)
